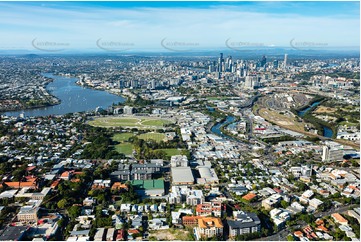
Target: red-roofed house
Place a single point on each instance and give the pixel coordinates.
(30, 182)
(65, 175)
(339, 219)
(322, 228)
(55, 184)
(30, 168)
(298, 234)
(249, 196)
(209, 209)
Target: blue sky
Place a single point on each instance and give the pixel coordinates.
(203, 25)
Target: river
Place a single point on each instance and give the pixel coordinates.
(73, 98)
(216, 128)
(327, 132)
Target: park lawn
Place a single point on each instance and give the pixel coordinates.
(115, 122)
(125, 148)
(122, 137)
(155, 122)
(129, 122)
(154, 136)
(171, 152)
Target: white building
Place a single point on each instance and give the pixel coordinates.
(332, 153)
(128, 110)
(251, 82)
(179, 161)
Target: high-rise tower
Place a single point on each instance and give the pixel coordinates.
(285, 61)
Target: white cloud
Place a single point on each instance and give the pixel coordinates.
(146, 27)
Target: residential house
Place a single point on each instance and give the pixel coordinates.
(89, 201)
(271, 201)
(158, 224)
(315, 203)
(101, 184)
(279, 216)
(118, 186)
(339, 219)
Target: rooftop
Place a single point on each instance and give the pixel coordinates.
(182, 175)
(339, 218)
(249, 196)
(12, 233)
(148, 184)
(210, 222)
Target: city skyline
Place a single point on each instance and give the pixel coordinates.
(178, 26)
(179, 121)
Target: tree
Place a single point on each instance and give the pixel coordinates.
(325, 206)
(74, 211)
(61, 223)
(290, 238)
(301, 186)
(103, 222)
(101, 198)
(308, 218)
(284, 204)
(62, 203)
(19, 173)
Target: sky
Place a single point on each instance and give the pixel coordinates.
(173, 26)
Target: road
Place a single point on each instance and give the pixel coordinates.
(250, 102)
(282, 235)
(334, 210)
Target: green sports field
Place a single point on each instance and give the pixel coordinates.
(130, 122)
(154, 136)
(122, 137)
(125, 148)
(171, 152)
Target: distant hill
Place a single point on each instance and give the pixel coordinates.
(31, 55)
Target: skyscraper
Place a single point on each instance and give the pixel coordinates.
(153, 84)
(121, 84)
(220, 63)
(228, 63)
(251, 81)
(285, 61)
(134, 83)
(275, 64)
(220, 60)
(263, 61)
